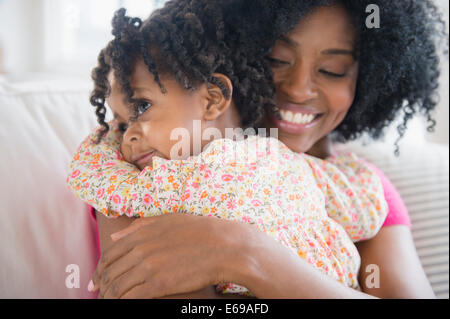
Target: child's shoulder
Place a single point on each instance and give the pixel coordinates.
(347, 163)
(252, 146)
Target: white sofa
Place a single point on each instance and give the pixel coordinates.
(47, 236)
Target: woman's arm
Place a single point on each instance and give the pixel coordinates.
(270, 270)
(186, 252)
(393, 253)
(108, 226)
(264, 266)
(253, 259)
(391, 250)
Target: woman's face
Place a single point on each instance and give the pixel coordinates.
(315, 75)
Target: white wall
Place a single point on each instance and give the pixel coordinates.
(21, 34)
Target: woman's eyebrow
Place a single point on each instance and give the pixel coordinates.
(333, 51)
(289, 41)
(339, 52)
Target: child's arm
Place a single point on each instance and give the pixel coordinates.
(97, 171)
(354, 194)
(99, 176)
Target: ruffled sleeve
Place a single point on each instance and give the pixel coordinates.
(99, 176)
(353, 192)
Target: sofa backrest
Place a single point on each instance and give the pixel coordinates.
(44, 229)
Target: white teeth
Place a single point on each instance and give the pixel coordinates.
(288, 115)
(296, 118)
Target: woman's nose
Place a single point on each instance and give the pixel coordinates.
(299, 85)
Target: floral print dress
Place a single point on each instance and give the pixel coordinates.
(316, 208)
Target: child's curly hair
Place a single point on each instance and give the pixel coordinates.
(398, 62)
(185, 39)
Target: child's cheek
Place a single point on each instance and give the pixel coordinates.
(125, 152)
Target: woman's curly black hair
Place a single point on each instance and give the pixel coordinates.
(398, 62)
(187, 40)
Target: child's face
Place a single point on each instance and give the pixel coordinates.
(160, 114)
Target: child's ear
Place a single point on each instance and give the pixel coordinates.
(218, 102)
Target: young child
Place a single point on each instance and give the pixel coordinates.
(316, 208)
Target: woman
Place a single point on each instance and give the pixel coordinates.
(325, 61)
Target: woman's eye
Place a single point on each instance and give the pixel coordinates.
(276, 62)
(142, 106)
(332, 74)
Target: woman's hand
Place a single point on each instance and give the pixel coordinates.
(169, 254)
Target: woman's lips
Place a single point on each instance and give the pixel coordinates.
(298, 109)
(296, 128)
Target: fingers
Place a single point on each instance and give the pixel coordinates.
(119, 248)
(135, 225)
(138, 292)
(155, 289)
(134, 277)
(116, 251)
(115, 270)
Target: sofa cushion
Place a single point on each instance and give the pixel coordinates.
(43, 227)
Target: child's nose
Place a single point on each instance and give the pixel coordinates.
(132, 134)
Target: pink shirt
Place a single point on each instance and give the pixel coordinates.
(397, 214)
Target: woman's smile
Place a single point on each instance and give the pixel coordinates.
(296, 120)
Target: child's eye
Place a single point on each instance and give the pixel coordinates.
(141, 107)
(123, 127)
